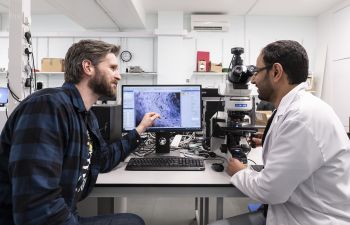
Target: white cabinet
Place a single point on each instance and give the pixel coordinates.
(136, 79)
(50, 79)
(56, 79)
(208, 79)
(3, 80)
(139, 78)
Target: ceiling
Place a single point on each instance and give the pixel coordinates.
(131, 14)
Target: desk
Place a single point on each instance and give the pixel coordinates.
(198, 184)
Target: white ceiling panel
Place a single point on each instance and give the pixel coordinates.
(86, 13)
(130, 14)
(4, 6)
(292, 7)
(43, 7)
(234, 7)
(37, 7)
(126, 13)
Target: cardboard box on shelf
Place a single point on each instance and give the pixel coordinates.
(52, 65)
(261, 118)
(216, 67)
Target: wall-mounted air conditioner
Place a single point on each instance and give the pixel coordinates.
(210, 22)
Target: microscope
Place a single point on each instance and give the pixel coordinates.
(239, 115)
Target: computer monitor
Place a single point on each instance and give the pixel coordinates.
(178, 105)
(4, 94)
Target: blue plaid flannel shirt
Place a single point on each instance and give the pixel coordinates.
(42, 146)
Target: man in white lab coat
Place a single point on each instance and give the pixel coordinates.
(306, 152)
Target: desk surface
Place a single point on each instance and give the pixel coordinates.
(208, 183)
(121, 177)
(122, 183)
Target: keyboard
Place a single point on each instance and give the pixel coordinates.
(165, 164)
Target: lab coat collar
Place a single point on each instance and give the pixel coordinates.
(282, 108)
(288, 98)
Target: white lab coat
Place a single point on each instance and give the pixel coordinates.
(306, 180)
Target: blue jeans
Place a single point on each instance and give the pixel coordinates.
(113, 219)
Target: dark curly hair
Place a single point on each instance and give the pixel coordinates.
(92, 50)
(292, 56)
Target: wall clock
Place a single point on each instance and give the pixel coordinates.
(125, 56)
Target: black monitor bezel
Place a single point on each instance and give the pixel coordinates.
(151, 129)
(104, 98)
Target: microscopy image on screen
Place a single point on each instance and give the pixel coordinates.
(167, 104)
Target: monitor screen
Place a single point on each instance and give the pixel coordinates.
(179, 106)
(4, 94)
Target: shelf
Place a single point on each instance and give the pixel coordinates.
(49, 73)
(122, 74)
(208, 79)
(39, 73)
(139, 74)
(208, 74)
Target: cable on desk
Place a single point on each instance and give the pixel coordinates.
(147, 146)
(6, 111)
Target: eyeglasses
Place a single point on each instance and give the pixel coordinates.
(258, 70)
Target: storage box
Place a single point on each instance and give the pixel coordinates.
(203, 56)
(261, 119)
(52, 65)
(202, 66)
(216, 68)
(309, 83)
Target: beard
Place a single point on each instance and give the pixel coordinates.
(265, 90)
(101, 85)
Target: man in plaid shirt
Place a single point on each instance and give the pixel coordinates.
(51, 149)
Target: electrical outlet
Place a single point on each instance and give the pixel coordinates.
(26, 20)
(27, 82)
(28, 37)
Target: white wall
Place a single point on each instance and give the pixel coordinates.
(334, 31)
(152, 53)
(4, 26)
(261, 30)
(250, 32)
(171, 48)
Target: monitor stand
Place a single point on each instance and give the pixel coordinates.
(163, 145)
(162, 142)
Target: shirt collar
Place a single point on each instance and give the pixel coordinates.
(288, 98)
(75, 96)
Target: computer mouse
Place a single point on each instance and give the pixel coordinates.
(218, 167)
